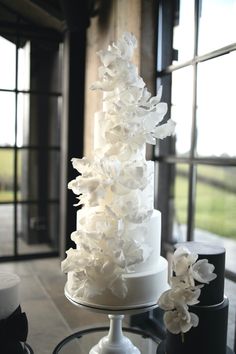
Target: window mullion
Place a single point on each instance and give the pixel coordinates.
(193, 167)
(15, 151)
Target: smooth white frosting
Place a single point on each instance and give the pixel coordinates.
(153, 242)
(9, 293)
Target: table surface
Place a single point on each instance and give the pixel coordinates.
(161, 349)
(82, 341)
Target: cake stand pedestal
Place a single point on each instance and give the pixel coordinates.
(114, 342)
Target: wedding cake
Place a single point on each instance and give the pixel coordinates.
(117, 262)
(196, 316)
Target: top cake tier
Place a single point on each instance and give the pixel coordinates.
(212, 293)
(130, 117)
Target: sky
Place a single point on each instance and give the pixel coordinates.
(216, 111)
(7, 99)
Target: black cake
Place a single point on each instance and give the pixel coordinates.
(210, 336)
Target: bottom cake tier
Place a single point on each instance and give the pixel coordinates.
(209, 337)
(144, 289)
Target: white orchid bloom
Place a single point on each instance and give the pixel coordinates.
(180, 321)
(72, 261)
(182, 260)
(183, 292)
(81, 165)
(202, 271)
(178, 296)
(164, 130)
(166, 301)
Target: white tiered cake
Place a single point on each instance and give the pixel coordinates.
(117, 262)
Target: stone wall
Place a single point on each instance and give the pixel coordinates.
(114, 18)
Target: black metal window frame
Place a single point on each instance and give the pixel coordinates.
(168, 10)
(164, 154)
(21, 30)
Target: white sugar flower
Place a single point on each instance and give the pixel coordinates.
(166, 301)
(72, 261)
(175, 297)
(183, 292)
(152, 119)
(108, 169)
(182, 260)
(164, 130)
(180, 320)
(134, 175)
(126, 45)
(81, 165)
(133, 252)
(203, 271)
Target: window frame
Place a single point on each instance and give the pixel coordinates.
(167, 15)
(21, 30)
(164, 154)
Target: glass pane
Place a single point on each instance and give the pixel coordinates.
(216, 124)
(183, 36)
(7, 64)
(38, 174)
(23, 119)
(37, 228)
(217, 26)
(24, 66)
(6, 175)
(181, 109)
(216, 208)
(84, 342)
(180, 202)
(6, 229)
(7, 118)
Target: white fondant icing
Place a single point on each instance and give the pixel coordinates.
(153, 241)
(144, 289)
(9, 293)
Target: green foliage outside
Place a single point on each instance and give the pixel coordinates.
(215, 207)
(6, 174)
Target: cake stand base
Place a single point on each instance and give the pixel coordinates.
(115, 342)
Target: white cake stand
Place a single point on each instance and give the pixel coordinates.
(114, 342)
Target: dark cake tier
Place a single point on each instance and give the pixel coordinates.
(212, 293)
(209, 337)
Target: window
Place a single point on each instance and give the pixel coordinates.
(30, 110)
(197, 168)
